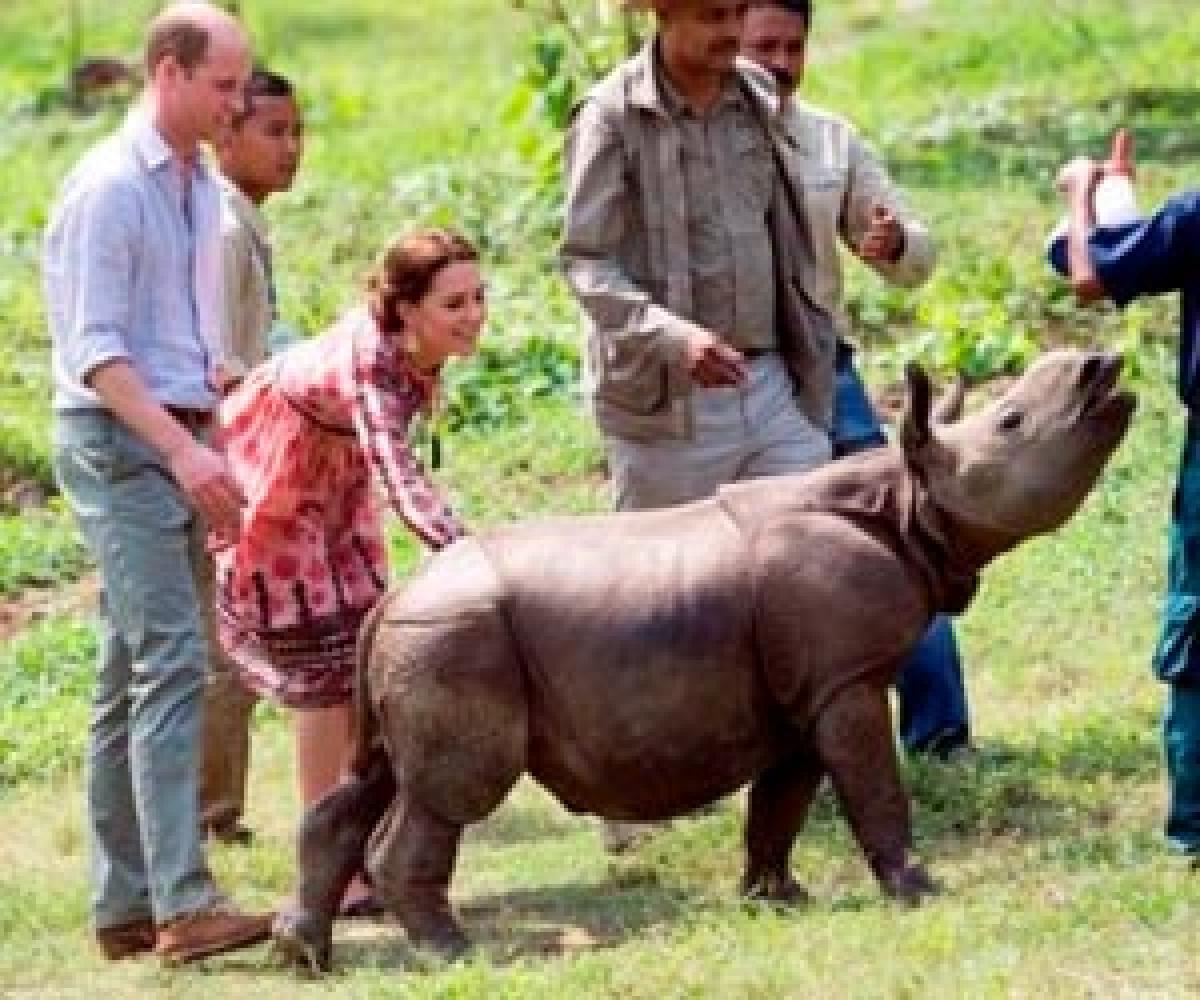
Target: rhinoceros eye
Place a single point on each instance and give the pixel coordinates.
(1011, 420)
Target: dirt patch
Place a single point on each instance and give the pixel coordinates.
(19, 611)
(19, 494)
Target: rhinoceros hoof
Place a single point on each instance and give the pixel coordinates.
(434, 930)
(304, 940)
(773, 887)
(909, 884)
(448, 944)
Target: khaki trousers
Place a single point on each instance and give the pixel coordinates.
(742, 433)
(228, 708)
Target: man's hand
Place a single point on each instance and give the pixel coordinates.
(712, 362)
(206, 481)
(884, 242)
(1079, 176)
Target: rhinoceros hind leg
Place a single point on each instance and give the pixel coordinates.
(411, 861)
(854, 738)
(330, 846)
(779, 802)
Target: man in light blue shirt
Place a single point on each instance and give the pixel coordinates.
(132, 276)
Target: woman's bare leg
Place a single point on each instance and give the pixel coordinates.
(324, 747)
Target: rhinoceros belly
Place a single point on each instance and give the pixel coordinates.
(634, 632)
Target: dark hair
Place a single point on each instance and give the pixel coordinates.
(407, 270)
(175, 33)
(262, 83)
(801, 7)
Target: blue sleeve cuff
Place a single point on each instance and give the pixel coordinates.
(93, 350)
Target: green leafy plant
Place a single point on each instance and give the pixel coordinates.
(501, 381)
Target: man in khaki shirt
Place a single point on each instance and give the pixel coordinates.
(672, 246)
(850, 201)
(681, 250)
(258, 156)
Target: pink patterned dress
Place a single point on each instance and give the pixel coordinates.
(302, 435)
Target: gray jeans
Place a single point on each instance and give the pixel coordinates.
(147, 857)
(748, 432)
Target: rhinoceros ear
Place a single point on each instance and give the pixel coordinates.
(914, 432)
(949, 406)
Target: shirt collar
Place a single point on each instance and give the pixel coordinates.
(244, 210)
(673, 103)
(152, 148)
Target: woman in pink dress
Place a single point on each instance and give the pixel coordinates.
(303, 435)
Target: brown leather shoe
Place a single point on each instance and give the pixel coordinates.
(210, 932)
(126, 940)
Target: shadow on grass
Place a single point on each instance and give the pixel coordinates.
(539, 922)
(1060, 784)
(554, 920)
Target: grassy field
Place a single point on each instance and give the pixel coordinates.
(1056, 880)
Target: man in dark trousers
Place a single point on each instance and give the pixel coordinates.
(850, 200)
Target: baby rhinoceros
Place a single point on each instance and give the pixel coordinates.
(641, 665)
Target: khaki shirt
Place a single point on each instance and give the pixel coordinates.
(247, 265)
(839, 179)
(664, 233)
(725, 166)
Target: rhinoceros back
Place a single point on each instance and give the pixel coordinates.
(635, 636)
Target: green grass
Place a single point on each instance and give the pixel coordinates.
(39, 549)
(1056, 880)
(47, 673)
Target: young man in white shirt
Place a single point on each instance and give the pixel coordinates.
(259, 153)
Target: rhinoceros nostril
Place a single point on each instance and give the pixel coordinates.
(1097, 378)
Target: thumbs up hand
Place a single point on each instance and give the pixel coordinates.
(1083, 174)
(884, 241)
(1120, 156)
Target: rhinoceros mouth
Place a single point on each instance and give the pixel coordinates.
(1104, 400)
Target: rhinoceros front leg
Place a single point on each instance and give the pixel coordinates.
(854, 739)
(779, 802)
(330, 848)
(411, 861)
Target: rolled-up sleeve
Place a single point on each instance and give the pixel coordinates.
(870, 185)
(598, 210)
(1151, 256)
(91, 263)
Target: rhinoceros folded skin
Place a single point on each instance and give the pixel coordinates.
(639, 665)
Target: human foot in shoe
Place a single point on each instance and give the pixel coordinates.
(208, 932)
(126, 940)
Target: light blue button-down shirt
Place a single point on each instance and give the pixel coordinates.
(132, 270)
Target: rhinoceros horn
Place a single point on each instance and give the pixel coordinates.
(914, 431)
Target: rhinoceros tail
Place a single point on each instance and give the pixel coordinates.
(365, 736)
